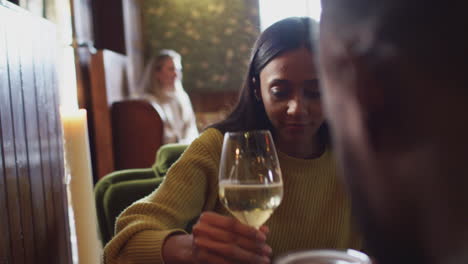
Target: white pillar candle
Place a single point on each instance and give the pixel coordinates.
(81, 196)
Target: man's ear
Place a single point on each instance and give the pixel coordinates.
(369, 88)
(375, 89)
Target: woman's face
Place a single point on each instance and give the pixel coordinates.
(168, 74)
(291, 96)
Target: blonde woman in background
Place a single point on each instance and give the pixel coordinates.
(162, 84)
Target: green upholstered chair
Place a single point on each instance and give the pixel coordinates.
(117, 190)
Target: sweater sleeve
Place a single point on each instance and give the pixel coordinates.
(185, 192)
(190, 130)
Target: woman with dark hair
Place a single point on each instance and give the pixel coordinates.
(250, 112)
(281, 94)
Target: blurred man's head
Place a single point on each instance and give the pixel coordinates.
(395, 79)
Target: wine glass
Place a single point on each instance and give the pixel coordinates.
(324, 256)
(250, 184)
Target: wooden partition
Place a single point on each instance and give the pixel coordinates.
(138, 133)
(33, 206)
(108, 74)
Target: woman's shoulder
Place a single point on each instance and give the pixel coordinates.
(210, 139)
(210, 136)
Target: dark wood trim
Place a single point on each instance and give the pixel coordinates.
(109, 84)
(108, 25)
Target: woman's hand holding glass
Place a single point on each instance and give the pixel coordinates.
(219, 239)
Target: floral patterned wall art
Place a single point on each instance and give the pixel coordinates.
(214, 38)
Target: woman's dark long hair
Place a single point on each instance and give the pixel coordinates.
(285, 35)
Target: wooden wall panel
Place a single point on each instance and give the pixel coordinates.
(9, 156)
(6, 154)
(34, 226)
(18, 53)
(35, 72)
(43, 120)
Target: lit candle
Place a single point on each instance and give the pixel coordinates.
(81, 197)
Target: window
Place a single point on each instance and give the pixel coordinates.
(274, 10)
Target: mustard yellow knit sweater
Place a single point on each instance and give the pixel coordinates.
(314, 213)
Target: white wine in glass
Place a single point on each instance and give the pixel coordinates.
(250, 183)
